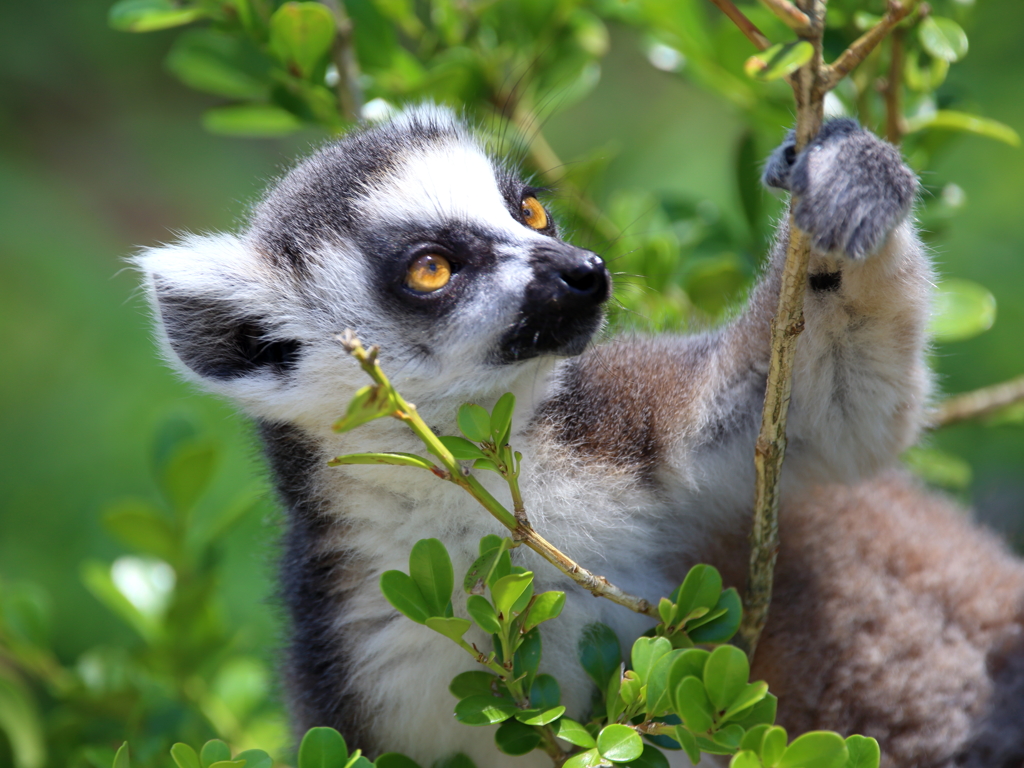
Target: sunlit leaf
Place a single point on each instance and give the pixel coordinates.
(942, 38)
(254, 120)
(725, 675)
(779, 60)
(619, 743)
(474, 422)
(403, 594)
(301, 35)
(20, 723)
(961, 121)
(151, 15)
(574, 733)
(817, 749)
(483, 710)
(397, 459)
(863, 751)
(184, 756)
(961, 309)
(214, 751)
(431, 568)
(322, 748)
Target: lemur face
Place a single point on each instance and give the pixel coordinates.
(407, 233)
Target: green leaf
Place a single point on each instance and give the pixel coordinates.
(214, 751)
(473, 683)
(545, 693)
(589, 759)
(186, 475)
(652, 757)
(527, 658)
(483, 710)
(301, 35)
(372, 401)
(729, 737)
(863, 751)
(726, 625)
(599, 654)
(961, 310)
(666, 611)
(753, 738)
(689, 744)
(261, 120)
(762, 713)
(493, 564)
(516, 738)
(961, 121)
(574, 733)
(474, 422)
(938, 467)
(745, 759)
(483, 614)
(751, 694)
(150, 15)
(725, 675)
(548, 605)
(220, 63)
(507, 590)
(255, 758)
(228, 764)
(121, 759)
(451, 627)
(659, 685)
(619, 743)
(398, 459)
(942, 38)
(141, 527)
(358, 761)
(184, 756)
(779, 60)
(322, 748)
(700, 589)
(431, 568)
(486, 464)
(693, 706)
(540, 716)
(501, 418)
(461, 448)
(401, 591)
(20, 722)
(646, 653)
(773, 745)
(817, 749)
(395, 760)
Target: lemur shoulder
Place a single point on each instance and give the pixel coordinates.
(893, 616)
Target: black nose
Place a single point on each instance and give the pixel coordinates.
(568, 276)
(588, 277)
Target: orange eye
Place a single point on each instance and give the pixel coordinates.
(534, 214)
(429, 273)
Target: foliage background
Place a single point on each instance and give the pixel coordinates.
(101, 151)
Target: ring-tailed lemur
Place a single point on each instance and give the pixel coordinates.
(893, 617)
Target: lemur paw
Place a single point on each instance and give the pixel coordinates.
(852, 187)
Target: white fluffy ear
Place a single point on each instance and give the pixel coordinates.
(213, 299)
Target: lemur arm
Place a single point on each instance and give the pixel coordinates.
(687, 408)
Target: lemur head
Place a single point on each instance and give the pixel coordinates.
(410, 234)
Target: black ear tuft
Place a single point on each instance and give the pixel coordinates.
(214, 341)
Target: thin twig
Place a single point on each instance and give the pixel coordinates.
(792, 16)
(786, 327)
(745, 25)
(521, 530)
(863, 45)
(350, 92)
(895, 125)
(979, 403)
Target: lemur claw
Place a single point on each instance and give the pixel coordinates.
(852, 188)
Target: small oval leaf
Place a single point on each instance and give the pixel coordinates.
(942, 38)
(322, 748)
(961, 310)
(474, 422)
(725, 675)
(779, 60)
(817, 749)
(574, 733)
(483, 710)
(619, 743)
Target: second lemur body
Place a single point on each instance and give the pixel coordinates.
(637, 451)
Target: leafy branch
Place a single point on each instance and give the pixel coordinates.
(381, 399)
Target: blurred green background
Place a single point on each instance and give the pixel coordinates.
(102, 152)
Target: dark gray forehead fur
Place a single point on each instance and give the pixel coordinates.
(316, 201)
